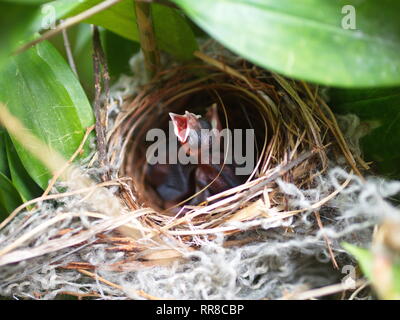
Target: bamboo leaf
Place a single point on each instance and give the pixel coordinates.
(41, 90)
(305, 39)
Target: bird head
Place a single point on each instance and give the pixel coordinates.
(190, 122)
(186, 125)
(187, 128)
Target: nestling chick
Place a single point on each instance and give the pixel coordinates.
(177, 182)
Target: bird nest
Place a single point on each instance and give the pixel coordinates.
(121, 224)
(296, 139)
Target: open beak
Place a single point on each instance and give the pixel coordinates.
(180, 123)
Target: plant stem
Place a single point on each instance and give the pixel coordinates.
(100, 73)
(147, 37)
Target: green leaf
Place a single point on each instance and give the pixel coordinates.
(396, 276)
(363, 256)
(82, 49)
(16, 25)
(41, 90)
(118, 51)
(379, 112)
(173, 33)
(9, 197)
(304, 39)
(3, 154)
(83, 38)
(20, 178)
(365, 259)
(33, 2)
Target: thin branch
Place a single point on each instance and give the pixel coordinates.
(80, 295)
(324, 291)
(355, 293)
(327, 240)
(67, 46)
(69, 23)
(147, 37)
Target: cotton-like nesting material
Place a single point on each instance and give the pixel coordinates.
(278, 262)
(284, 255)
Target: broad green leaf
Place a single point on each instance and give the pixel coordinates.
(20, 178)
(305, 39)
(173, 33)
(40, 89)
(379, 112)
(9, 197)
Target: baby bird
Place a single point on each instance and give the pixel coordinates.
(177, 182)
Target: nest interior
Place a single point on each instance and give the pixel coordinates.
(296, 133)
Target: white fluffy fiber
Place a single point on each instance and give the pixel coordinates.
(277, 263)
